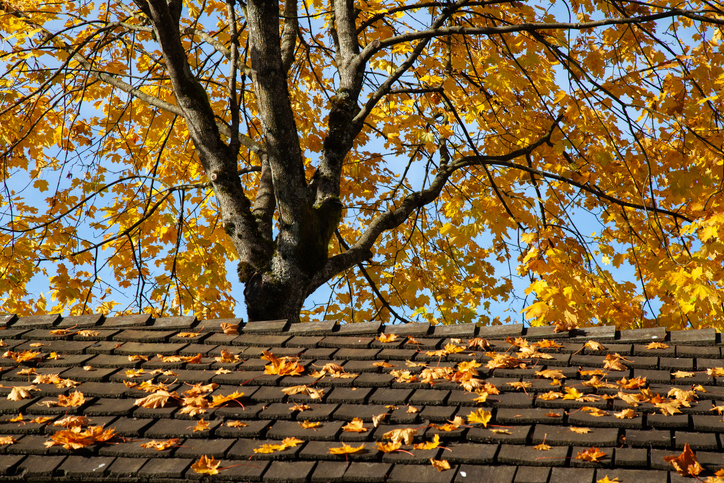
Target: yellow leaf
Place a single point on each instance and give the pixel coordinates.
(346, 449)
(384, 338)
(356, 426)
(429, 444)
(480, 416)
(440, 465)
(206, 465)
(309, 425)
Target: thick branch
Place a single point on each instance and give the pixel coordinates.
(289, 34)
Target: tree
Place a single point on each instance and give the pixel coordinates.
(400, 151)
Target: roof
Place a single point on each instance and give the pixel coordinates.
(496, 439)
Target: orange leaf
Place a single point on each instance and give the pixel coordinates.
(236, 424)
(346, 449)
(401, 435)
(440, 465)
(480, 416)
(686, 463)
(384, 338)
(356, 426)
(388, 447)
(4, 440)
(73, 439)
(161, 445)
(206, 466)
(201, 425)
(592, 454)
(309, 425)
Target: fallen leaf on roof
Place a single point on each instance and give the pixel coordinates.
(596, 382)
(72, 439)
(613, 362)
(89, 368)
(227, 357)
(355, 426)
(572, 393)
(230, 329)
(217, 401)
(580, 430)
(88, 333)
(480, 416)
(592, 372)
(412, 410)
(403, 435)
(131, 373)
(206, 466)
(156, 400)
(385, 338)
(137, 357)
(392, 407)
(429, 444)
(501, 431)
(21, 392)
(59, 382)
(236, 424)
(440, 465)
(388, 447)
(300, 407)
(686, 463)
(201, 425)
(547, 344)
(682, 374)
(411, 340)
(553, 415)
(73, 422)
(503, 361)
(633, 383)
(309, 424)
(20, 357)
(376, 420)
(161, 445)
(200, 389)
(346, 449)
(479, 343)
(75, 399)
(19, 418)
(682, 397)
(567, 325)
(5, 440)
(520, 385)
(594, 411)
(542, 447)
(285, 444)
(668, 408)
(313, 393)
(657, 345)
(550, 395)
(188, 335)
(625, 414)
(592, 454)
(550, 374)
(281, 366)
(382, 364)
(594, 346)
(27, 371)
(40, 420)
(715, 371)
(37, 344)
(409, 363)
(606, 480)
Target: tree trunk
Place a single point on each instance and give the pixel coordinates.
(270, 297)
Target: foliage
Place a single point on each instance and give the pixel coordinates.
(401, 152)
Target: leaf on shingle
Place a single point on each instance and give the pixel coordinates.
(309, 424)
(40, 420)
(376, 420)
(88, 333)
(206, 466)
(72, 422)
(480, 416)
(657, 345)
(686, 464)
(567, 325)
(382, 364)
(479, 343)
(230, 329)
(606, 480)
(161, 445)
(547, 344)
(73, 439)
(682, 374)
(550, 395)
(429, 444)
(633, 383)
(313, 393)
(520, 385)
(592, 454)
(138, 357)
(580, 430)
(21, 392)
(613, 362)
(403, 435)
(21, 357)
(550, 374)
(386, 338)
(355, 426)
(388, 447)
(285, 444)
(75, 399)
(200, 389)
(715, 371)
(201, 425)
(227, 357)
(156, 400)
(594, 411)
(5, 440)
(412, 410)
(281, 366)
(19, 418)
(542, 447)
(346, 449)
(440, 465)
(625, 414)
(501, 431)
(236, 424)
(217, 401)
(300, 407)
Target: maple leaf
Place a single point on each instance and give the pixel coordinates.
(580, 430)
(625, 414)
(479, 343)
(594, 411)
(74, 439)
(385, 338)
(520, 385)
(542, 447)
(88, 333)
(633, 383)
(376, 420)
(686, 463)
(565, 326)
(355, 426)
(22, 356)
(236, 424)
(388, 447)
(73, 422)
(503, 361)
(668, 408)
(75, 399)
(161, 445)
(309, 424)
(206, 466)
(230, 329)
(300, 407)
(188, 335)
(21, 392)
(440, 465)
(553, 415)
(6, 440)
(682, 374)
(227, 357)
(217, 401)
(592, 454)
(572, 393)
(550, 374)
(138, 357)
(593, 372)
(156, 400)
(281, 366)
(501, 431)
(657, 345)
(19, 418)
(403, 435)
(480, 416)
(201, 425)
(594, 346)
(605, 479)
(346, 449)
(382, 364)
(551, 395)
(613, 362)
(548, 344)
(715, 371)
(429, 444)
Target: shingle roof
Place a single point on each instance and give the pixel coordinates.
(99, 353)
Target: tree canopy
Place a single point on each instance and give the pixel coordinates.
(422, 158)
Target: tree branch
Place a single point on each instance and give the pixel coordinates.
(289, 34)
